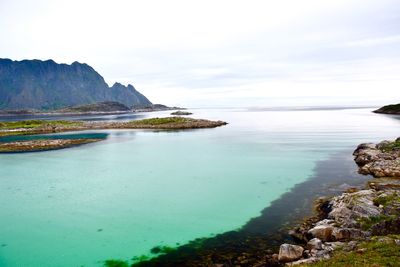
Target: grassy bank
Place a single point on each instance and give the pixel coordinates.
(380, 251)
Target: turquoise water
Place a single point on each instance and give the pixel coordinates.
(120, 197)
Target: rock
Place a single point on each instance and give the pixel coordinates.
(303, 261)
(325, 222)
(350, 246)
(383, 144)
(349, 207)
(366, 156)
(361, 250)
(388, 226)
(323, 254)
(288, 252)
(363, 147)
(330, 246)
(314, 243)
(323, 232)
(348, 233)
(381, 160)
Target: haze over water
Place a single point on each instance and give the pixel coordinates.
(139, 189)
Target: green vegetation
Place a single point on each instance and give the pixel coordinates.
(367, 223)
(140, 258)
(31, 124)
(159, 121)
(375, 253)
(386, 200)
(392, 146)
(116, 263)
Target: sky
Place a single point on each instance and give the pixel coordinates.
(221, 52)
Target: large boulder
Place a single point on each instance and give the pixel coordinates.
(288, 252)
(322, 232)
(314, 243)
(340, 234)
(348, 208)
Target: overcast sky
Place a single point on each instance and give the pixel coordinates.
(222, 53)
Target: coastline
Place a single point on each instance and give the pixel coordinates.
(311, 233)
(260, 237)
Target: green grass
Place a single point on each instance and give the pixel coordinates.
(392, 146)
(387, 200)
(32, 124)
(376, 254)
(367, 223)
(160, 121)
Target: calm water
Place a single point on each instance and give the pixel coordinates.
(138, 189)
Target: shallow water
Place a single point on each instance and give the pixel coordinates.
(138, 189)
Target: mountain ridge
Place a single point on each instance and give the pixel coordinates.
(47, 85)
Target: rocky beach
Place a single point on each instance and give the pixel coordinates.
(351, 224)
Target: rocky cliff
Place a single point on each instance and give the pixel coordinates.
(46, 85)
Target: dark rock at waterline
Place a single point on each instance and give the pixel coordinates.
(389, 109)
(181, 113)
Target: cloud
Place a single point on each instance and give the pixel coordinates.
(179, 52)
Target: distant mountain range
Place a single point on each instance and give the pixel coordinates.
(46, 85)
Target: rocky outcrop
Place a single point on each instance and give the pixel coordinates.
(380, 160)
(389, 109)
(354, 216)
(42, 145)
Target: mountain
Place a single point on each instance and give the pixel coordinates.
(389, 109)
(46, 85)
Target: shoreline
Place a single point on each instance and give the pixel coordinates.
(261, 236)
(304, 235)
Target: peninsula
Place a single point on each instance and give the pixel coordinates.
(35, 127)
(389, 109)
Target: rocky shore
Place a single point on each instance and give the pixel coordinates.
(42, 145)
(356, 220)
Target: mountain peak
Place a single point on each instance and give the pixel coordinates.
(37, 84)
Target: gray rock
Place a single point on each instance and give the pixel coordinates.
(314, 243)
(348, 233)
(303, 261)
(288, 252)
(349, 207)
(323, 232)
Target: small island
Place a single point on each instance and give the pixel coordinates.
(181, 113)
(35, 127)
(389, 109)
